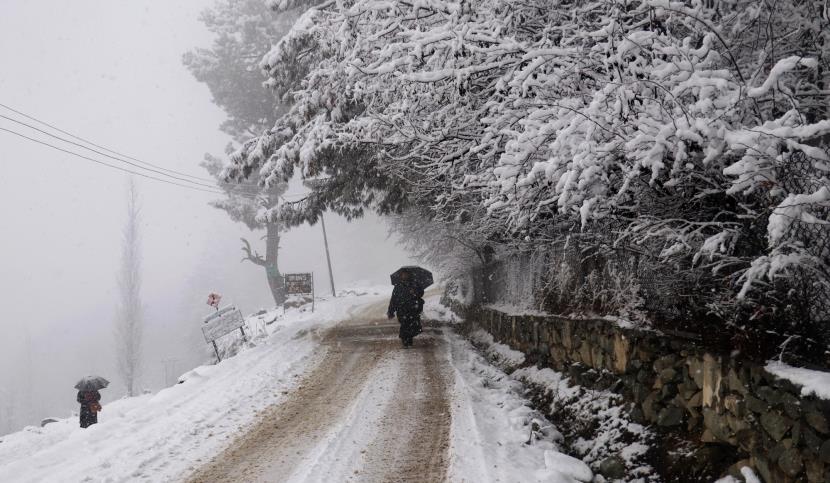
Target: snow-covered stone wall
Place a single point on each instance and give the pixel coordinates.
(722, 405)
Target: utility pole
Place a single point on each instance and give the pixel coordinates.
(313, 183)
(328, 258)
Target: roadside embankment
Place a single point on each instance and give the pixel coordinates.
(713, 414)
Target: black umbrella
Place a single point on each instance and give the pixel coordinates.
(420, 277)
(91, 383)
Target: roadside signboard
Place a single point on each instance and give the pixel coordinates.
(222, 322)
(300, 284)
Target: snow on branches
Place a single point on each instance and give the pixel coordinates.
(670, 122)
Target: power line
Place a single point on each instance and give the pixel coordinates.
(73, 136)
(105, 154)
(237, 188)
(109, 165)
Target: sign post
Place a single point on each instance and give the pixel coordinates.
(222, 322)
(300, 284)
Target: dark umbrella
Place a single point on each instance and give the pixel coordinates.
(418, 276)
(91, 383)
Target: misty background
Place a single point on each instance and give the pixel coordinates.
(111, 71)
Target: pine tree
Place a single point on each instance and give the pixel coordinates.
(244, 30)
(129, 326)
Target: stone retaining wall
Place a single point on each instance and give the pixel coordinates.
(674, 384)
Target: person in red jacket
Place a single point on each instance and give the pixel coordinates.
(90, 406)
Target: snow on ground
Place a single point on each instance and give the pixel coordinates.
(496, 436)
(435, 310)
(501, 354)
(749, 476)
(596, 422)
(340, 454)
(513, 309)
(612, 432)
(811, 382)
(159, 437)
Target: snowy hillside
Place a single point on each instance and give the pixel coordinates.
(343, 403)
(161, 436)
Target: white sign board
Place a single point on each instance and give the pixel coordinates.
(222, 322)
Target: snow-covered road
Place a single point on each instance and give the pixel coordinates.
(324, 396)
(370, 411)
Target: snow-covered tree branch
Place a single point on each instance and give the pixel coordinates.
(692, 134)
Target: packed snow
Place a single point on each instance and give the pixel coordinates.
(812, 382)
(501, 354)
(496, 435)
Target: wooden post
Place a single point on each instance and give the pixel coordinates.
(217, 351)
(312, 292)
(242, 329)
(328, 258)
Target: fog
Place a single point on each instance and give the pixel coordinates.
(110, 71)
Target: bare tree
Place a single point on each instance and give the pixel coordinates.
(128, 328)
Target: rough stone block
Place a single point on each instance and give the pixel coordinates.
(769, 394)
(756, 405)
(585, 354)
(762, 465)
(809, 440)
(693, 420)
(817, 421)
(649, 409)
(749, 440)
(776, 425)
(815, 471)
(737, 424)
(670, 416)
(711, 380)
(664, 362)
(612, 468)
(621, 346)
(718, 426)
(667, 375)
(597, 357)
(735, 405)
(696, 401)
(734, 383)
(824, 452)
(668, 391)
(791, 405)
(790, 462)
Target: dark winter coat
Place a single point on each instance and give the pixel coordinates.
(90, 406)
(406, 301)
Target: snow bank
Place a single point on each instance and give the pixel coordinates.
(495, 434)
(596, 421)
(435, 310)
(501, 354)
(512, 309)
(812, 382)
(164, 436)
(612, 432)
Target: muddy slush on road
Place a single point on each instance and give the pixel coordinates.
(370, 411)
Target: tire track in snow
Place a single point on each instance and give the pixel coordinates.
(370, 411)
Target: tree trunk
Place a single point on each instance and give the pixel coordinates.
(272, 270)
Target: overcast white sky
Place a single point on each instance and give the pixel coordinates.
(110, 71)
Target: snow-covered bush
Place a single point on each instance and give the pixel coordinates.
(685, 143)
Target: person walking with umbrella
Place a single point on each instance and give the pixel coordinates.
(407, 301)
(89, 398)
